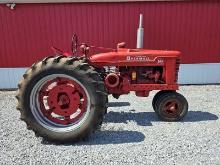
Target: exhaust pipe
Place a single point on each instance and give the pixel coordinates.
(140, 33)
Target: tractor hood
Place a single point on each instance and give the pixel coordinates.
(133, 57)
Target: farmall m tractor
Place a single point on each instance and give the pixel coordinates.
(64, 98)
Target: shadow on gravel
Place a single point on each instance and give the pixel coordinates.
(115, 137)
(106, 137)
(141, 118)
(123, 136)
(118, 104)
(145, 118)
(195, 116)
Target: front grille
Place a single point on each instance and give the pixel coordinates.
(177, 69)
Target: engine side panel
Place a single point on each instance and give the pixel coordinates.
(138, 70)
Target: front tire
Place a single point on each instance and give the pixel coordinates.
(157, 96)
(171, 106)
(62, 99)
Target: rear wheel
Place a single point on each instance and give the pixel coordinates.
(171, 106)
(62, 99)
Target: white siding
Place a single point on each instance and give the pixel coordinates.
(199, 73)
(9, 77)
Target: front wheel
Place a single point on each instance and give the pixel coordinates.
(171, 106)
(157, 96)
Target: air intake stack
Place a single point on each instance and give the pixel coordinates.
(140, 33)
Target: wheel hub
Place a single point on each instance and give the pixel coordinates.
(62, 101)
(171, 108)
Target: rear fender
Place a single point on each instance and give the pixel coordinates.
(58, 51)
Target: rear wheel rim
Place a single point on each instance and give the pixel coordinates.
(60, 103)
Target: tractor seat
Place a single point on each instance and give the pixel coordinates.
(121, 45)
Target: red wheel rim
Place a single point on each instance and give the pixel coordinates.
(62, 101)
(171, 108)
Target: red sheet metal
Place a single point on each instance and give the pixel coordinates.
(28, 31)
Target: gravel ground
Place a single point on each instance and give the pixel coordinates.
(130, 134)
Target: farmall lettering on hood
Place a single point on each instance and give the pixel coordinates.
(126, 57)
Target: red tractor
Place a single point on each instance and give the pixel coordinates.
(64, 98)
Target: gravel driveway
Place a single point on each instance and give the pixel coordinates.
(131, 134)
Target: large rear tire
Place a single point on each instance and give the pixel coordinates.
(62, 99)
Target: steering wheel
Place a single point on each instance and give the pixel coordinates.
(74, 43)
